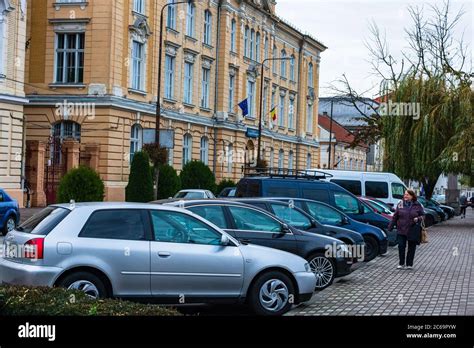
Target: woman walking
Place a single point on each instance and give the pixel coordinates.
(408, 217)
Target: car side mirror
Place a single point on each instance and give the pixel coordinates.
(285, 229)
(225, 240)
(345, 220)
(314, 223)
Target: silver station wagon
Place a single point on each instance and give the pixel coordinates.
(160, 253)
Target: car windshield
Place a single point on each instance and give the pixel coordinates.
(44, 222)
(378, 207)
(324, 214)
(292, 216)
(189, 195)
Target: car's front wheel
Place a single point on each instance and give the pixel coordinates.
(86, 282)
(324, 270)
(272, 294)
(10, 225)
(371, 248)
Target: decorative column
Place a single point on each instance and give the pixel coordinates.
(35, 166)
(71, 150)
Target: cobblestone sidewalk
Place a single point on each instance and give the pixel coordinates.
(442, 282)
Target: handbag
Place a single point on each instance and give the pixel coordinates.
(424, 232)
(414, 234)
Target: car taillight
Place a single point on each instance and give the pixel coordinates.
(34, 249)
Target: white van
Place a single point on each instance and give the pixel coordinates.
(386, 187)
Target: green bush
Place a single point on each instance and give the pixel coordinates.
(140, 182)
(224, 184)
(168, 183)
(42, 301)
(196, 175)
(81, 184)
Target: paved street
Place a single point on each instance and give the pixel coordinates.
(442, 282)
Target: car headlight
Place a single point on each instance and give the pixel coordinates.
(307, 267)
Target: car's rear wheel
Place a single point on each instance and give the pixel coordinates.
(10, 225)
(324, 270)
(86, 282)
(371, 248)
(272, 294)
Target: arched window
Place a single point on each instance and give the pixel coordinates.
(136, 140)
(246, 41)
(266, 47)
(310, 75)
(275, 62)
(207, 27)
(283, 64)
(233, 35)
(309, 163)
(61, 131)
(292, 68)
(290, 160)
(204, 150)
(171, 19)
(190, 19)
(281, 161)
(257, 48)
(187, 148)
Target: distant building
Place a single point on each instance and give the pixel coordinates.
(12, 96)
(350, 117)
(342, 157)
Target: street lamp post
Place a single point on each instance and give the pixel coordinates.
(261, 105)
(160, 54)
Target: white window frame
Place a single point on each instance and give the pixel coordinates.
(139, 6)
(251, 97)
(275, 62)
(138, 62)
(190, 19)
(170, 67)
(171, 18)
(281, 161)
(246, 41)
(257, 47)
(136, 140)
(292, 68)
(207, 27)
(283, 64)
(233, 35)
(187, 148)
(204, 150)
(281, 111)
(311, 75)
(206, 87)
(230, 158)
(252, 43)
(291, 114)
(310, 118)
(231, 93)
(266, 47)
(291, 158)
(188, 82)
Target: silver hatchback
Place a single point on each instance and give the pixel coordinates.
(160, 253)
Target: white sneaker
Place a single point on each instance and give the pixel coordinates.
(400, 267)
(409, 267)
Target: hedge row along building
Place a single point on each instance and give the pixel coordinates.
(92, 70)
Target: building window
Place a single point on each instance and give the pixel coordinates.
(251, 97)
(139, 6)
(204, 150)
(281, 161)
(310, 75)
(233, 35)
(309, 119)
(3, 40)
(283, 64)
(246, 41)
(266, 48)
(138, 65)
(281, 111)
(206, 78)
(207, 27)
(70, 58)
(169, 76)
(230, 158)
(308, 161)
(290, 160)
(265, 100)
(231, 93)
(187, 148)
(190, 19)
(170, 157)
(292, 68)
(136, 140)
(252, 43)
(273, 102)
(272, 158)
(188, 82)
(275, 62)
(257, 48)
(291, 113)
(61, 131)
(171, 19)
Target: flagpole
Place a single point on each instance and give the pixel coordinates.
(262, 82)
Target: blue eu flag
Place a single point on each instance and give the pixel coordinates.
(244, 105)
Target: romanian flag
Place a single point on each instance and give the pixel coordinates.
(273, 114)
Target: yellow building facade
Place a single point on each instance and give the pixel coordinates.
(92, 71)
(12, 96)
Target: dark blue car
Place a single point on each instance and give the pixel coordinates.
(9, 213)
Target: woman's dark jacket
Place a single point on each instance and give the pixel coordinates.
(404, 216)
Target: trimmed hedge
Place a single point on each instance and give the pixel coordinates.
(196, 175)
(140, 181)
(169, 182)
(81, 184)
(43, 301)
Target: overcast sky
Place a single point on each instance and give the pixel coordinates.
(342, 25)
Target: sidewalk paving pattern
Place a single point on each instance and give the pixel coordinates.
(442, 282)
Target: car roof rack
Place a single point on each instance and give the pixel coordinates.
(286, 173)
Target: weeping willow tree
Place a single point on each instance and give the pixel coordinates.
(432, 75)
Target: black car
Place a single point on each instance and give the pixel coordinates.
(328, 257)
(446, 208)
(430, 205)
(299, 219)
